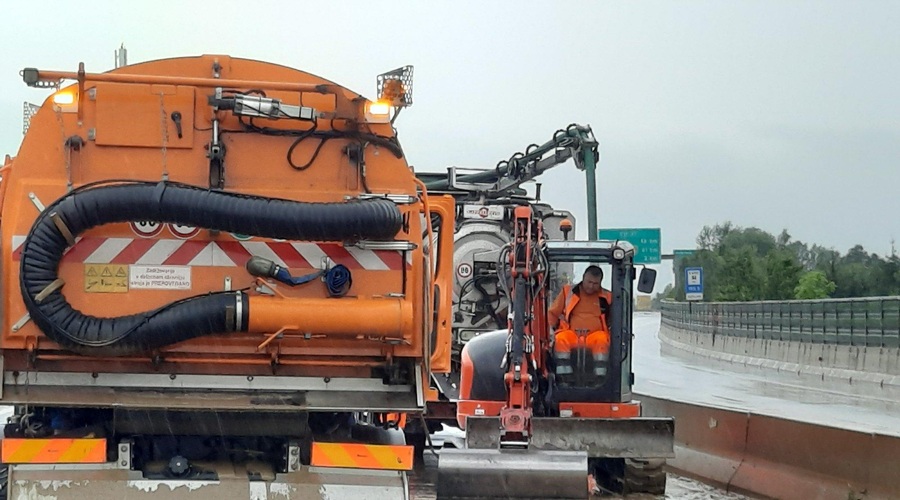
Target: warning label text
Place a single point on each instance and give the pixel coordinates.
(160, 277)
(105, 278)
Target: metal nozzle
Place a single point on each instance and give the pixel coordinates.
(262, 267)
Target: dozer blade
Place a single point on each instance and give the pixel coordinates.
(495, 473)
(639, 437)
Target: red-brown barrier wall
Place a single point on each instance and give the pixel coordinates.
(780, 458)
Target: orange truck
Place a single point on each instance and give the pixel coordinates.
(220, 277)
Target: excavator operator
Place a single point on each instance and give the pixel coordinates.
(578, 315)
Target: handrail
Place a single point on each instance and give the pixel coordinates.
(869, 321)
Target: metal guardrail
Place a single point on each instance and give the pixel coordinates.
(871, 321)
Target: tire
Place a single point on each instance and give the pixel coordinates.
(419, 442)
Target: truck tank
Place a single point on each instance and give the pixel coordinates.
(215, 271)
(480, 304)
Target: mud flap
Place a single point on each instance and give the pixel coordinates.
(495, 473)
(98, 483)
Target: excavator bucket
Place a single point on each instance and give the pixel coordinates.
(484, 473)
(484, 470)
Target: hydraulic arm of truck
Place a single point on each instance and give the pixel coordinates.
(575, 141)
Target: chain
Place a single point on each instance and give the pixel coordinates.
(164, 123)
(69, 167)
(68, 150)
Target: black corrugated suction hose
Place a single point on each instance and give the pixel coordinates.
(218, 312)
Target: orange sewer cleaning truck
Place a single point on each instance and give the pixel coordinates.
(220, 279)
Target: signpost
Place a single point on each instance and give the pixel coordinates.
(646, 242)
(683, 253)
(693, 283)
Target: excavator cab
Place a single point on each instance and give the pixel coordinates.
(584, 429)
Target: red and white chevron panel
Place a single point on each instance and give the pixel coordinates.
(178, 252)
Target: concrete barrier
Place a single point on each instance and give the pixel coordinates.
(875, 365)
(780, 458)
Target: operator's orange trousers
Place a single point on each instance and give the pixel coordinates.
(567, 341)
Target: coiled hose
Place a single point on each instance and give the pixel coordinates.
(166, 202)
(338, 280)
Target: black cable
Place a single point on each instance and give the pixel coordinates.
(297, 141)
(488, 300)
(361, 165)
(312, 158)
(389, 143)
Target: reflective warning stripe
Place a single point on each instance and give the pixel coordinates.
(180, 252)
(107, 251)
(362, 456)
(53, 451)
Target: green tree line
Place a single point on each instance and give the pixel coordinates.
(745, 264)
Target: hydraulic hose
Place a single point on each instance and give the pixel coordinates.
(219, 312)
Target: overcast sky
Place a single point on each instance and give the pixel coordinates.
(772, 114)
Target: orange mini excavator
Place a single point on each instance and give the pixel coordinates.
(535, 428)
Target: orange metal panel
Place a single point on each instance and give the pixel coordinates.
(53, 451)
(440, 350)
(477, 409)
(134, 115)
(362, 456)
(601, 410)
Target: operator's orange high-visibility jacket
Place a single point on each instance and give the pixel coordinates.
(588, 315)
(592, 332)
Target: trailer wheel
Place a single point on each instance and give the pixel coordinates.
(645, 476)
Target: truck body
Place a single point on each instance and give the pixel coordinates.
(217, 273)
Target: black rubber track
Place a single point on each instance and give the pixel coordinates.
(197, 316)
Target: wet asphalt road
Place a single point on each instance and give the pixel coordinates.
(677, 375)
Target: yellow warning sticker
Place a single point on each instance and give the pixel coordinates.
(105, 278)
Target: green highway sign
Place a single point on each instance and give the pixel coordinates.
(683, 253)
(646, 242)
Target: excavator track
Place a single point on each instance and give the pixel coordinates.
(624, 476)
(645, 476)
